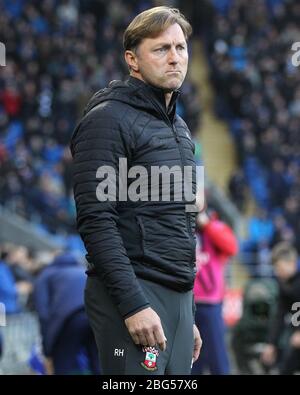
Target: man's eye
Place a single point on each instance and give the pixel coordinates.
(160, 50)
(181, 47)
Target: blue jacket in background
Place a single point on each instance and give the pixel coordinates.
(58, 293)
(8, 290)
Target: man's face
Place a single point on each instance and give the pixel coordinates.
(285, 269)
(163, 61)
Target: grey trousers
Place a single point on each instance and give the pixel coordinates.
(119, 355)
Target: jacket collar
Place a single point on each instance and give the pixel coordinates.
(158, 95)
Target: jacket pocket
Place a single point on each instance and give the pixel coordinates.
(165, 242)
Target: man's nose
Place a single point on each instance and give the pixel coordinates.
(173, 55)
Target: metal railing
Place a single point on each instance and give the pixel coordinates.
(19, 336)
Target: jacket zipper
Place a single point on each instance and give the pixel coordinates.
(187, 215)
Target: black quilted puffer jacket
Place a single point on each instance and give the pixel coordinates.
(153, 240)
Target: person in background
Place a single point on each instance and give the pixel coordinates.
(216, 243)
(8, 288)
(260, 233)
(285, 262)
(67, 339)
(18, 259)
(238, 189)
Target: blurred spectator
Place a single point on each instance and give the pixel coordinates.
(58, 55)
(238, 189)
(250, 334)
(67, 339)
(216, 243)
(249, 47)
(285, 261)
(255, 248)
(8, 288)
(260, 228)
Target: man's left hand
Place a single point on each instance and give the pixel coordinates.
(197, 343)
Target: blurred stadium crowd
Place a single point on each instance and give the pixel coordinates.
(249, 49)
(60, 52)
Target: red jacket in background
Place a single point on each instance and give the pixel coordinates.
(216, 243)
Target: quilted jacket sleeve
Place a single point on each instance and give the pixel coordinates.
(99, 141)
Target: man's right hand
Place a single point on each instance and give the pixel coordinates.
(145, 328)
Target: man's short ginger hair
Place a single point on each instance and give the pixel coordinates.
(152, 22)
(284, 251)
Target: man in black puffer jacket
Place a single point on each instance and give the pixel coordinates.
(140, 240)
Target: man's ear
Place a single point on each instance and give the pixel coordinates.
(131, 60)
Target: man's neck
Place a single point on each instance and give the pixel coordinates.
(168, 95)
